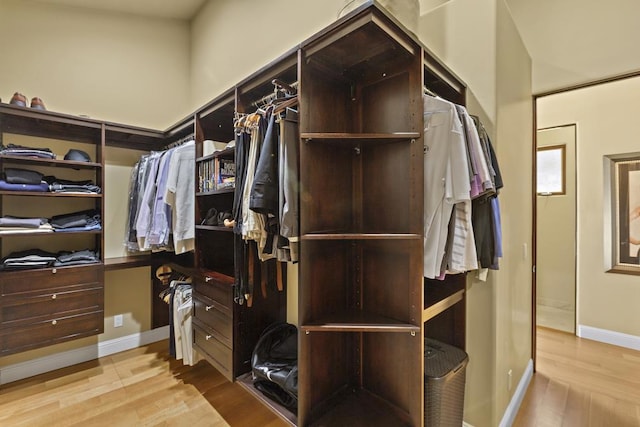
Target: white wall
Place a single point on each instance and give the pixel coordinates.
(604, 116)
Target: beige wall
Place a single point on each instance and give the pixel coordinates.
(463, 34)
(109, 66)
(604, 116)
(479, 41)
(556, 230)
(514, 149)
(233, 38)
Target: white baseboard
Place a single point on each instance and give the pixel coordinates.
(516, 400)
(52, 362)
(609, 337)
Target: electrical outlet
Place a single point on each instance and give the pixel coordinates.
(509, 379)
(117, 320)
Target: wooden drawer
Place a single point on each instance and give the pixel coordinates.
(217, 287)
(29, 308)
(216, 353)
(34, 281)
(40, 334)
(219, 322)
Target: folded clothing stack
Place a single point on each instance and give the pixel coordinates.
(78, 221)
(86, 220)
(31, 258)
(15, 179)
(14, 224)
(57, 185)
(22, 151)
(85, 256)
(37, 258)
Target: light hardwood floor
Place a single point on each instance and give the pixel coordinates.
(581, 383)
(140, 387)
(578, 383)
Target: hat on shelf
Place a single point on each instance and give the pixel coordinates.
(77, 155)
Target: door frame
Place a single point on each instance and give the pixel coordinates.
(534, 195)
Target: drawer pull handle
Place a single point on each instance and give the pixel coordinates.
(54, 296)
(209, 307)
(54, 271)
(207, 279)
(54, 322)
(207, 337)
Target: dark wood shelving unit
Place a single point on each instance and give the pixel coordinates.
(363, 304)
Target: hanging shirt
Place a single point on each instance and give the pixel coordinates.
(161, 214)
(180, 196)
(143, 220)
(446, 177)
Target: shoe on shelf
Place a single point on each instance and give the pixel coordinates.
(37, 104)
(19, 100)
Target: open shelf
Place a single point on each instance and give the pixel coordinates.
(214, 228)
(228, 152)
(360, 137)
(359, 408)
(121, 263)
(287, 416)
(49, 162)
(361, 236)
(214, 192)
(48, 194)
(442, 305)
(358, 322)
(45, 233)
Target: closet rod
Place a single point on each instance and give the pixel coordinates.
(180, 141)
(428, 91)
(279, 86)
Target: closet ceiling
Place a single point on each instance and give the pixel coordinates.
(577, 41)
(177, 9)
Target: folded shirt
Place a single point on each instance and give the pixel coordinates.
(85, 256)
(22, 151)
(37, 258)
(43, 187)
(14, 221)
(22, 176)
(45, 228)
(84, 218)
(67, 186)
(30, 258)
(88, 227)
